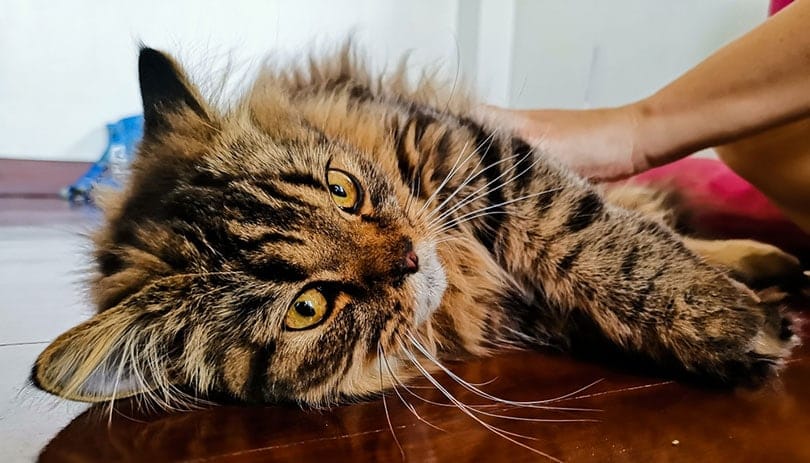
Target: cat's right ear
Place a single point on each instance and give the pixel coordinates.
(166, 91)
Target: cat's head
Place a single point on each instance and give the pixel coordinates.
(250, 256)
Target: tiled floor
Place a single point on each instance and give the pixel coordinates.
(641, 418)
(40, 268)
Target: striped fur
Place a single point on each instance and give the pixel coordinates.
(227, 218)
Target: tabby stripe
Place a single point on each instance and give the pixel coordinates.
(174, 256)
(490, 329)
(210, 180)
(109, 263)
(273, 192)
(286, 218)
(301, 178)
(649, 226)
(404, 158)
(378, 326)
(250, 209)
(274, 268)
(644, 293)
(586, 290)
(352, 338)
(488, 148)
(533, 326)
(543, 201)
(337, 348)
(443, 163)
(177, 346)
(629, 262)
(360, 93)
(258, 377)
(421, 121)
(668, 319)
(523, 165)
(380, 221)
(586, 212)
(338, 81)
(452, 341)
(270, 237)
(568, 261)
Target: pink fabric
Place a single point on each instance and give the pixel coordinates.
(720, 203)
(777, 5)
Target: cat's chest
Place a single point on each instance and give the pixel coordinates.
(472, 309)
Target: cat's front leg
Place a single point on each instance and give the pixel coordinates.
(638, 283)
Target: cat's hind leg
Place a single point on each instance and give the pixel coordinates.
(751, 262)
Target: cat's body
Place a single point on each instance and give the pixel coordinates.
(333, 232)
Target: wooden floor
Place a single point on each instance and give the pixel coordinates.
(633, 416)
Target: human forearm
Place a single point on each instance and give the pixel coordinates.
(757, 82)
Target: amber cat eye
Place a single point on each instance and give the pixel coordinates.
(308, 309)
(344, 190)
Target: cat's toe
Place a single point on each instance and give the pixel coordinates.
(763, 355)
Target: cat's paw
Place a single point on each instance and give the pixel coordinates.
(744, 341)
(760, 357)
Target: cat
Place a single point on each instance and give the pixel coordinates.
(334, 232)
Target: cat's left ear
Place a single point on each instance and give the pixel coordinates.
(122, 351)
(165, 91)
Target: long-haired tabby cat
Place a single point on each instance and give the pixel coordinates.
(333, 230)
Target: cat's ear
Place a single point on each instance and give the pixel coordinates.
(120, 352)
(165, 90)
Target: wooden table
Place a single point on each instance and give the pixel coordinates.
(639, 418)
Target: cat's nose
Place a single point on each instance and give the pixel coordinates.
(410, 264)
(405, 262)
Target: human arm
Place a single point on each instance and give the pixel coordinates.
(759, 81)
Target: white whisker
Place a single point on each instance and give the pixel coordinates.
(449, 175)
(509, 436)
(385, 406)
(531, 404)
(474, 173)
(477, 193)
(482, 211)
(405, 402)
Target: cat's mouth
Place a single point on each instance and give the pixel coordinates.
(428, 283)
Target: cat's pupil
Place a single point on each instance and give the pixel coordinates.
(338, 190)
(305, 308)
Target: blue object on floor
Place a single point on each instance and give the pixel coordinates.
(112, 168)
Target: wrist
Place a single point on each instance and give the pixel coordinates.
(659, 137)
(639, 119)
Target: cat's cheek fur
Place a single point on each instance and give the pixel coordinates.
(428, 284)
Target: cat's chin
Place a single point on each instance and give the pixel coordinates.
(428, 283)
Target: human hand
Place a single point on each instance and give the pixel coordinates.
(599, 144)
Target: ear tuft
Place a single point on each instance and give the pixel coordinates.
(125, 350)
(91, 362)
(164, 89)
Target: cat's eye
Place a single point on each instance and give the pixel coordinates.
(308, 309)
(344, 190)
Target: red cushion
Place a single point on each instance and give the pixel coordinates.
(721, 203)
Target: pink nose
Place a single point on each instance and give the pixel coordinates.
(411, 262)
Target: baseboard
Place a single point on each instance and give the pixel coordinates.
(28, 178)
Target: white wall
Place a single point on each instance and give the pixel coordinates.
(66, 68)
(601, 53)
